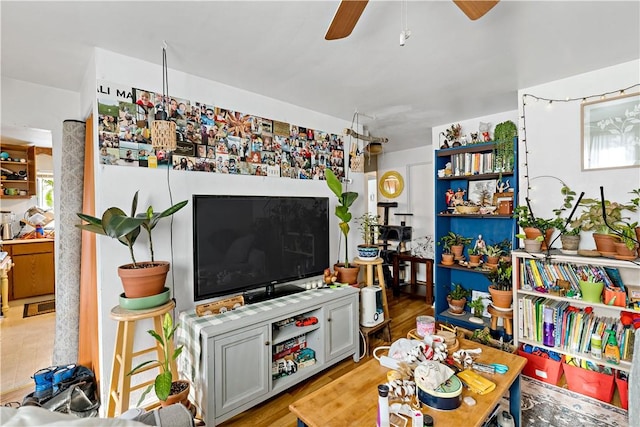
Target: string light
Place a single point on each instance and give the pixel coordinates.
(550, 101)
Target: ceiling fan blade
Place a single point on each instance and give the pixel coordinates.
(475, 9)
(345, 19)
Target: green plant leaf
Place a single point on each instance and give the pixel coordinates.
(333, 183)
(163, 385)
(144, 394)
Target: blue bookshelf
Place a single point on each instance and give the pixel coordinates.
(494, 228)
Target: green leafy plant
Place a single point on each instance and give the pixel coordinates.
(162, 383)
(473, 251)
(368, 224)
(458, 292)
(505, 246)
(492, 250)
(524, 237)
(591, 218)
(454, 239)
(628, 234)
(477, 305)
(345, 200)
(116, 224)
(504, 135)
(526, 219)
(500, 277)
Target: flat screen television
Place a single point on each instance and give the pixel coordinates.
(247, 243)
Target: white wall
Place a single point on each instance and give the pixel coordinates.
(553, 137)
(115, 185)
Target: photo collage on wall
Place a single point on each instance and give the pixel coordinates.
(211, 139)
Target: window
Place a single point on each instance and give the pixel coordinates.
(44, 190)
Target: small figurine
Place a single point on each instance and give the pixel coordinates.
(458, 198)
(474, 137)
(480, 244)
(449, 197)
(502, 186)
(484, 130)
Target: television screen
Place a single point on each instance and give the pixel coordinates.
(248, 242)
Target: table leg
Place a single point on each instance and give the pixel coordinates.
(514, 401)
(4, 282)
(396, 275)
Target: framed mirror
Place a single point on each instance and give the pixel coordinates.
(391, 184)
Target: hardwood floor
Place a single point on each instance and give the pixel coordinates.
(403, 311)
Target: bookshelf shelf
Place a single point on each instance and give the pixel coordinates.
(527, 316)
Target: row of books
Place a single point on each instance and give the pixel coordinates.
(572, 326)
(544, 276)
(472, 163)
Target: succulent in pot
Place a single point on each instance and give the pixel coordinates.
(115, 223)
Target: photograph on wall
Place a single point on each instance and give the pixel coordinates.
(262, 126)
(205, 113)
(109, 156)
(281, 128)
(611, 132)
(239, 124)
(145, 108)
(222, 163)
(205, 165)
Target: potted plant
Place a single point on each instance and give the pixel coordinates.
(368, 223)
(457, 298)
(474, 256)
(139, 279)
(505, 246)
(532, 246)
(569, 235)
(534, 227)
(627, 248)
(477, 307)
(591, 219)
(346, 273)
(167, 390)
(493, 253)
(504, 136)
(447, 256)
(501, 285)
(456, 243)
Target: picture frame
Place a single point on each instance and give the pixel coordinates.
(482, 191)
(610, 133)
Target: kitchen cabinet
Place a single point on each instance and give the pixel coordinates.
(18, 171)
(33, 271)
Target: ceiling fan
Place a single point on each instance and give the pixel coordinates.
(349, 12)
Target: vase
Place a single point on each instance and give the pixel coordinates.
(591, 291)
(499, 298)
(605, 244)
(145, 280)
(456, 306)
(347, 275)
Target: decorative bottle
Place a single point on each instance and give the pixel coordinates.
(383, 406)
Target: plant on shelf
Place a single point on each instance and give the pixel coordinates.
(533, 245)
(504, 135)
(506, 247)
(455, 242)
(346, 273)
(167, 390)
(493, 253)
(591, 219)
(477, 307)
(501, 285)
(569, 234)
(474, 256)
(116, 224)
(368, 224)
(628, 245)
(457, 298)
(533, 226)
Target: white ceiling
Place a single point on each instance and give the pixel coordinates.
(450, 69)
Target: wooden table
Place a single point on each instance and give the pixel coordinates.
(414, 261)
(352, 400)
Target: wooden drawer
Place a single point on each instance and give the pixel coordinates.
(31, 248)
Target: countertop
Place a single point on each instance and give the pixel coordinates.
(19, 241)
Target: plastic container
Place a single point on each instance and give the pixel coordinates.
(383, 406)
(542, 369)
(590, 383)
(623, 390)
(425, 325)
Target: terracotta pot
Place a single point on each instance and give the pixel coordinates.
(623, 252)
(181, 397)
(146, 280)
(474, 259)
(456, 306)
(500, 299)
(532, 233)
(347, 275)
(605, 243)
(456, 250)
(493, 260)
(570, 242)
(638, 239)
(447, 259)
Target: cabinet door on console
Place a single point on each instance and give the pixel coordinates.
(341, 330)
(242, 367)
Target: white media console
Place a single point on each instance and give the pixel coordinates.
(228, 357)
